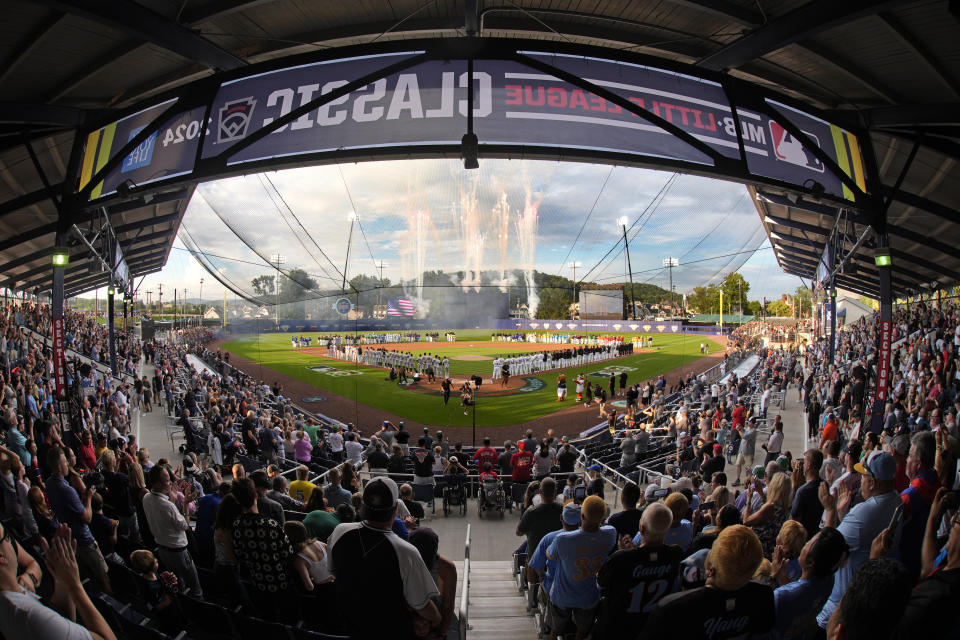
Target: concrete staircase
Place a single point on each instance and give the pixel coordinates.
(497, 608)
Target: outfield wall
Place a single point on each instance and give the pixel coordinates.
(265, 325)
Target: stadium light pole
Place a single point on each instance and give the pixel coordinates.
(622, 221)
(200, 320)
(352, 216)
(278, 260)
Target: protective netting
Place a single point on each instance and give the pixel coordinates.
(429, 235)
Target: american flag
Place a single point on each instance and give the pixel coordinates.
(406, 307)
(392, 310)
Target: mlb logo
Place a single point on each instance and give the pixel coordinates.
(788, 149)
(235, 119)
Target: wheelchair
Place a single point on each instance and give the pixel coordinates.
(492, 497)
(454, 496)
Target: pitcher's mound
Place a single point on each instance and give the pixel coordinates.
(471, 356)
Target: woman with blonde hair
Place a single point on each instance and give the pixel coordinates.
(769, 518)
(310, 562)
(790, 543)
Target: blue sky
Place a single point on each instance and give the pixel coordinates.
(432, 214)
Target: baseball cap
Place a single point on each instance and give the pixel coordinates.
(380, 497)
(571, 514)
(717, 448)
(594, 467)
(901, 444)
(784, 463)
(880, 466)
(758, 471)
(594, 509)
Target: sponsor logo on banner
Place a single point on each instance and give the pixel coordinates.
(235, 119)
(633, 327)
(617, 326)
(646, 327)
(789, 149)
(674, 328)
(660, 328)
(534, 324)
(571, 326)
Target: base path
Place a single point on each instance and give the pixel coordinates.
(570, 421)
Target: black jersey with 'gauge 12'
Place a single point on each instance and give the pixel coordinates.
(713, 614)
(632, 581)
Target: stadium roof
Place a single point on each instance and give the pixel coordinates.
(888, 67)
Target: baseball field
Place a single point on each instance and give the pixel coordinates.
(313, 379)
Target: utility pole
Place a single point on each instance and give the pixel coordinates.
(201, 302)
(277, 260)
(622, 221)
(575, 264)
(380, 287)
(160, 298)
(721, 311)
(670, 263)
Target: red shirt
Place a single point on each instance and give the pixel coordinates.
(739, 415)
(521, 463)
(486, 454)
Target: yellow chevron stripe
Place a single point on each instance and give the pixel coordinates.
(104, 155)
(842, 159)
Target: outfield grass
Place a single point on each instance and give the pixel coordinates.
(369, 386)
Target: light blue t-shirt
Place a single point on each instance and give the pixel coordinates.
(863, 523)
(579, 555)
(797, 604)
(681, 536)
(539, 560)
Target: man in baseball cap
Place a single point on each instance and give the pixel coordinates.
(864, 522)
(575, 595)
(368, 557)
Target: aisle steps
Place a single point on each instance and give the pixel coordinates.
(496, 605)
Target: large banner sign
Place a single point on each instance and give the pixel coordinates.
(513, 105)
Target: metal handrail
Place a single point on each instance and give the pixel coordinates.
(464, 624)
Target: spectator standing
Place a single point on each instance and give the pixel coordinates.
(543, 518)
(521, 463)
(367, 557)
(634, 579)
(863, 522)
(575, 594)
(806, 507)
(333, 492)
(70, 509)
(262, 547)
(917, 499)
(301, 488)
(627, 522)
(266, 505)
(798, 603)
(169, 527)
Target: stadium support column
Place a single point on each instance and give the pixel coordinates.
(832, 305)
(884, 331)
(110, 333)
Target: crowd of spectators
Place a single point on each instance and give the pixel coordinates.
(854, 537)
(212, 524)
